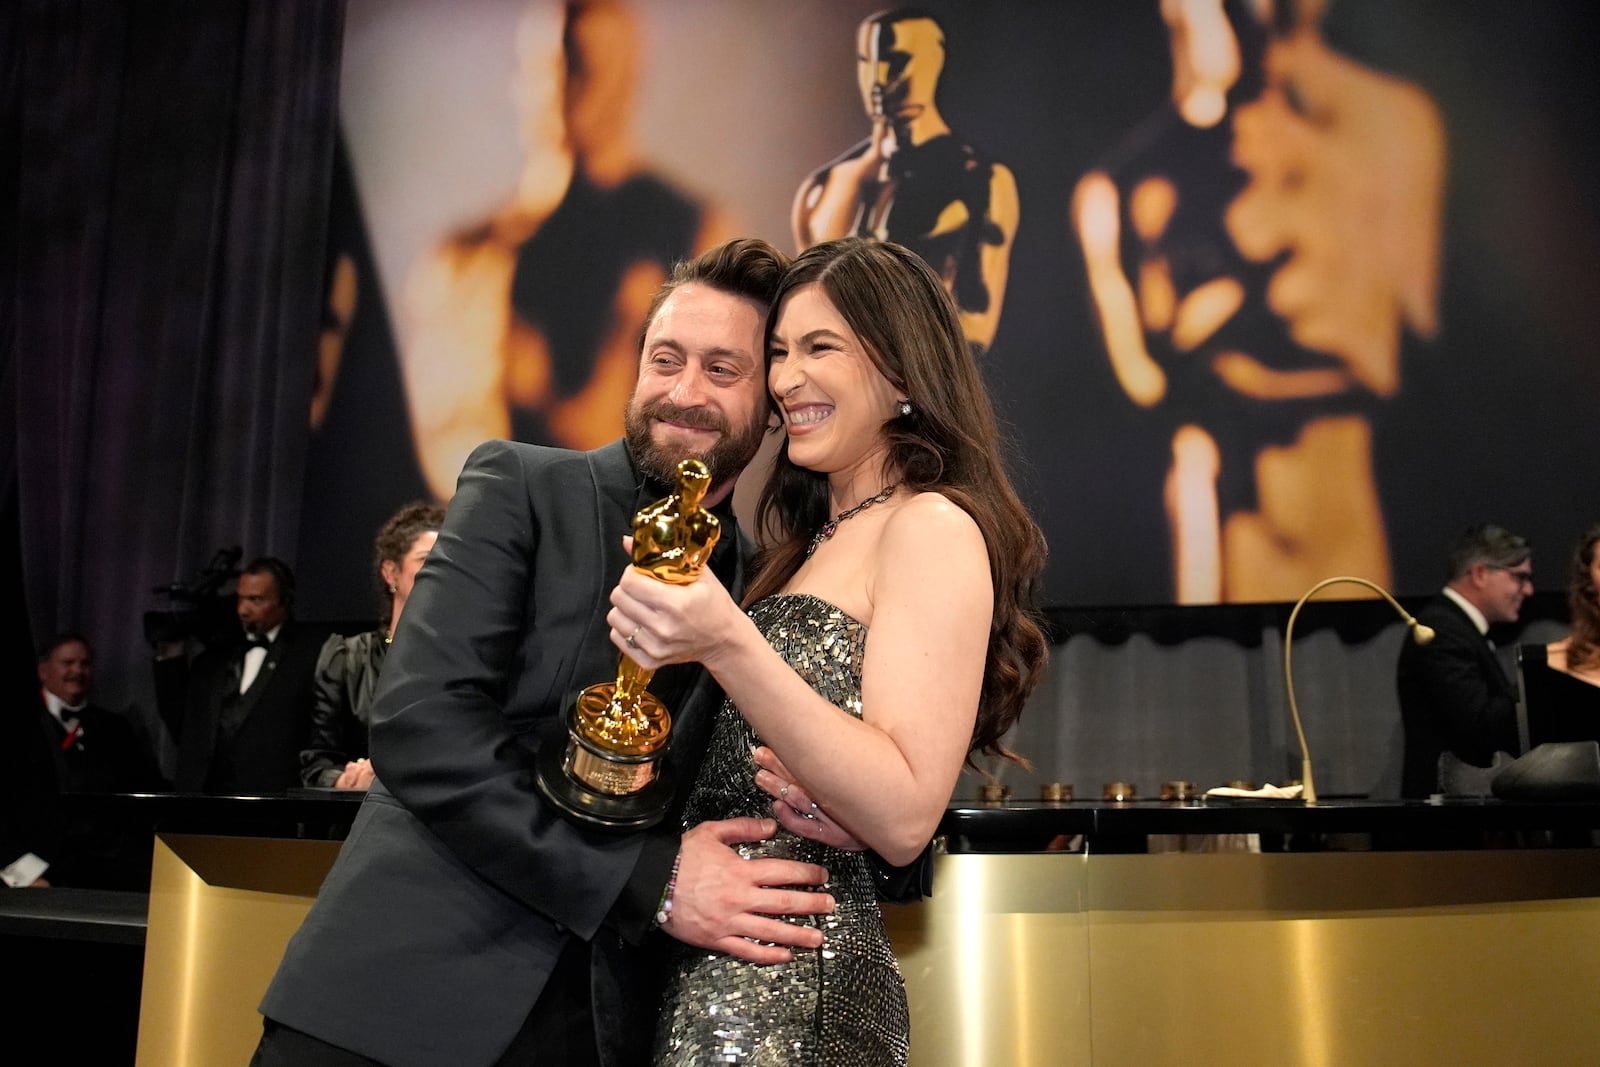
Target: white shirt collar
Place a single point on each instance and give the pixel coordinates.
(271, 636)
(1472, 612)
(58, 708)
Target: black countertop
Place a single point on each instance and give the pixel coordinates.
(111, 916)
(324, 814)
(968, 827)
(1285, 825)
(972, 825)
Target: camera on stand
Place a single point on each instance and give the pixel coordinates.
(202, 608)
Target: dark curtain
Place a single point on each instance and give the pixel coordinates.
(171, 177)
(18, 667)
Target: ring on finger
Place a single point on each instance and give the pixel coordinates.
(783, 794)
(629, 640)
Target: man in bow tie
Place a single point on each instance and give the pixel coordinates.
(241, 712)
(90, 749)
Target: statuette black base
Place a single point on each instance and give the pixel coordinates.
(621, 813)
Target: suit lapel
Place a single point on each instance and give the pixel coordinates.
(615, 486)
(237, 710)
(1480, 641)
(586, 570)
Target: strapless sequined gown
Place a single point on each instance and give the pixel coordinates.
(843, 1005)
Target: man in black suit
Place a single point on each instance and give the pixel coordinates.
(467, 921)
(242, 711)
(91, 749)
(95, 749)
(1454, 694)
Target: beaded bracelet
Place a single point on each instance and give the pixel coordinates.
(664, 909)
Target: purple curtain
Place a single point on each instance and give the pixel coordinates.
(172, 173)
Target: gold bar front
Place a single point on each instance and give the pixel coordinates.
(1474, 957)
(1062, 959)
(996, 961)
(221, 911)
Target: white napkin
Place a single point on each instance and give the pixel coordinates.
(1266, 792)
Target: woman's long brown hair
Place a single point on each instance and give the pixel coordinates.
(1583, 602)
(949, 444)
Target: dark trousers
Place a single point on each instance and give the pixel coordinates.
(559, 1030)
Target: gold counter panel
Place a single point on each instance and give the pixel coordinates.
(1462, 958)
(221, 911)
(1314, 959)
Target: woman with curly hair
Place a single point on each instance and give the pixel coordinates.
(347, 668)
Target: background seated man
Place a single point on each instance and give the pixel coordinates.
(1454, 694)
(90, 749)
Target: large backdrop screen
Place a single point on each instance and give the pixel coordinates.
(1263, 292)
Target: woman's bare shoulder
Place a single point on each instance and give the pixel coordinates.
(931, 531)
(930, 509)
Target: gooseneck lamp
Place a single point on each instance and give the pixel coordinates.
(1419, 633)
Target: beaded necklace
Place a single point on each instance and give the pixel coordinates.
(825, 531)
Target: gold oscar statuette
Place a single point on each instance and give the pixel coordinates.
(610, 773)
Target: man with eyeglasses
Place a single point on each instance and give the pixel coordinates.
(1454, 695)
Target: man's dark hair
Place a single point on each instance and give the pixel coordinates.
(1493, 545)
(65, 637)
(282, 574)
(745, 266)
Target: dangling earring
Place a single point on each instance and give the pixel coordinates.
(394, 587)
(905, 408)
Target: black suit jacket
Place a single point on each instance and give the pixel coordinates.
(262, 754)
(1454, 697)
(458, 886)
(109, 756)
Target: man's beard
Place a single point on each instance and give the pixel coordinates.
(731, 453)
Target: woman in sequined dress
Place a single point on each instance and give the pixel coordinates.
(890, 635)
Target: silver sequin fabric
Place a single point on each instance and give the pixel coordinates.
(843, 1005)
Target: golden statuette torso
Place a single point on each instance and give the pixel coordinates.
(618, 727)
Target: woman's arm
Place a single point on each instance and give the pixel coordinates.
(323, 758)
(888, 776)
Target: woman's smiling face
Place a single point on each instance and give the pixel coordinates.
(834, 399)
